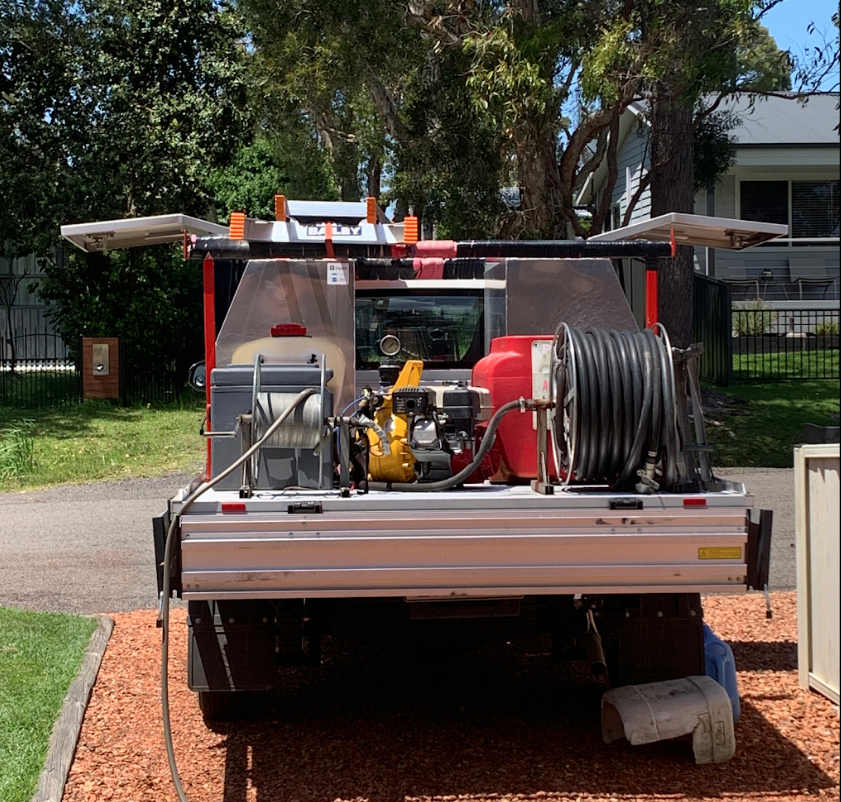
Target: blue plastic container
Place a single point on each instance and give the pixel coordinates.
(722, 668)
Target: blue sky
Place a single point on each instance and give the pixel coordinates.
(788, 22)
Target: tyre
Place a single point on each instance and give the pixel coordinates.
(224, 705)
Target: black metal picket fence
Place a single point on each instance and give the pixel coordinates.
(57, 380)
(712, 329)
(146, 378)
(37, 368)
(775, 344)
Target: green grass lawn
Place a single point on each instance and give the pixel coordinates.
(97, 440)
(40, 654)
(782, 365)
(759, 423)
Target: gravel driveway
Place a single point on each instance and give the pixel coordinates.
(82, 548)
(88, 548)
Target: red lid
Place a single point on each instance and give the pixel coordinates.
(289, 330)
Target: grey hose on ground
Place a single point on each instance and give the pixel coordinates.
(170, 538)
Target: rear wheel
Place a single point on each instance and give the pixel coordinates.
(225, 705)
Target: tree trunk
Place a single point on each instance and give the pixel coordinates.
(672, 191)
(374, 170)
(537, 170)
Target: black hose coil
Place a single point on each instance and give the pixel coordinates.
(614, 417)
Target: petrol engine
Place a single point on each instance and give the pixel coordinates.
(422, 433)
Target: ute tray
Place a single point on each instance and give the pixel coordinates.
(474, 542)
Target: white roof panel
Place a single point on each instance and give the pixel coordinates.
(697, 229)
(131, 232)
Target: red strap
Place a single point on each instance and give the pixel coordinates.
(428, 268)
(328, 240)
(674, 244)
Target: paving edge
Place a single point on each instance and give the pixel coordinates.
(65, 734)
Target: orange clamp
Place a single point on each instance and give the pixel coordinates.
(410, 229)
(236, 228)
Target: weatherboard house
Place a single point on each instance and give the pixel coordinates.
(786, 171)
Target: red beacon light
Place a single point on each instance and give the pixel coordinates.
(289, 330)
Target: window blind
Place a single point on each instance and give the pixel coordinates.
(814, 209)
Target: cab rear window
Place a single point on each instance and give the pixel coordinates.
(442, 329)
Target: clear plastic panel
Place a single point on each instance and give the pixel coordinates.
(316, 293)
(540, 294)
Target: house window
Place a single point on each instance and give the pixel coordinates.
(765, 201)
(814, 209)
(810, 209)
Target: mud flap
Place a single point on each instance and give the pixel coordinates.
(658, 711)
(759, 550)
(230, 646)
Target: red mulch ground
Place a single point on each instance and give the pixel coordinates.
(500, 724)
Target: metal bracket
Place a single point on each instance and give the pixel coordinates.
(305, 508)
(626, 504)
(543, 483)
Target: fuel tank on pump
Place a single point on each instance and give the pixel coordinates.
(516, 367)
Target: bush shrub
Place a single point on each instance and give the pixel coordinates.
(753, 318)
(827, 329)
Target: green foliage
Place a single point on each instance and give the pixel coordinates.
(292, 166)
(827, 329)
(40, 654)
(450, 176)
(509, 81)
(753, 318)
(714, 149)
(17, 450)
(117, 108)
(762, 66)
(112, 109)
(150, 298)
(41, 114)
(167, 92)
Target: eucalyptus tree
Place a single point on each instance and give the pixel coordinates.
(388, 106)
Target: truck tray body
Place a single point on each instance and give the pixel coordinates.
(476, 542)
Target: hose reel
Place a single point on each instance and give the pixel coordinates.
(304, 421)
(614, 418)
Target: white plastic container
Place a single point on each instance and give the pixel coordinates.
(296, 348)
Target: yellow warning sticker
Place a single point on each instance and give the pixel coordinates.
(720, 553)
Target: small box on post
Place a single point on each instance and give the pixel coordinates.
(100, 367)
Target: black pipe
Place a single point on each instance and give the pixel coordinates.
(225, 248)
(569, 249)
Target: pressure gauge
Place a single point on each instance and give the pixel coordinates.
(390, 345)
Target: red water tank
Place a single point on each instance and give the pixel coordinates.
(508, 372)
